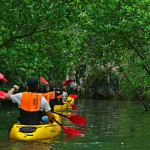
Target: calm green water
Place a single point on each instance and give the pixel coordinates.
(112, 125)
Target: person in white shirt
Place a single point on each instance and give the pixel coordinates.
(64, 95)
(31, 104)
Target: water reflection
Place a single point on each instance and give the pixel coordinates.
(111, 125)
(31, 146)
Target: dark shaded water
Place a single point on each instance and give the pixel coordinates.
(112, 125)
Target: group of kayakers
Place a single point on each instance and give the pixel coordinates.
(54, 95)
(36, 107)
(36, 102)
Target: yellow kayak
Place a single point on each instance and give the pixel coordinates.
(35, 132)
(66, 106)
(70, 100)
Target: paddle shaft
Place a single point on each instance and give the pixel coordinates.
(10, 84)
(58, 123)
(5, 80)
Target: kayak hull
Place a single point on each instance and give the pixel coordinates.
(35, 132)
(66, 106)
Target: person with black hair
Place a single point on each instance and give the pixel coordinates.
(31, 104)
(55, 98)
(42, 89)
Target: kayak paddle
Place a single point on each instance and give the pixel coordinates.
(79, 120)
(67, 82)
(74, 96)
(69, 131)
(2, 95)
(74, 107)
(5, 80)
(44, 80)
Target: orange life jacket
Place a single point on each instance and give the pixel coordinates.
(59, 96)
(30, 101)
(52, 95)
(47, 96)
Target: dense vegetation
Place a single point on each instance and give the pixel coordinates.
(53, 38)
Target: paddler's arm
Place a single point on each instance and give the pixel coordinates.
(12, 91)
(50, 115)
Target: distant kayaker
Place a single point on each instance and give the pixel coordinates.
(31, 104)
(56, 97)
(65, 94)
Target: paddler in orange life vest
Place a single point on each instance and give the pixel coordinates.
(31, 104)
(58, 94)
(55, 98)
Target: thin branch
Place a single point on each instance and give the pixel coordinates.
(11, 39)
(16, 37)
(137, 52)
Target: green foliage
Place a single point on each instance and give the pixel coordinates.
(51, 38)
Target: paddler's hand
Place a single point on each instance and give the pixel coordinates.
(52, 119)
(16, 88)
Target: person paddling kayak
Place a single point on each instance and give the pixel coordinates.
(31, 104)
